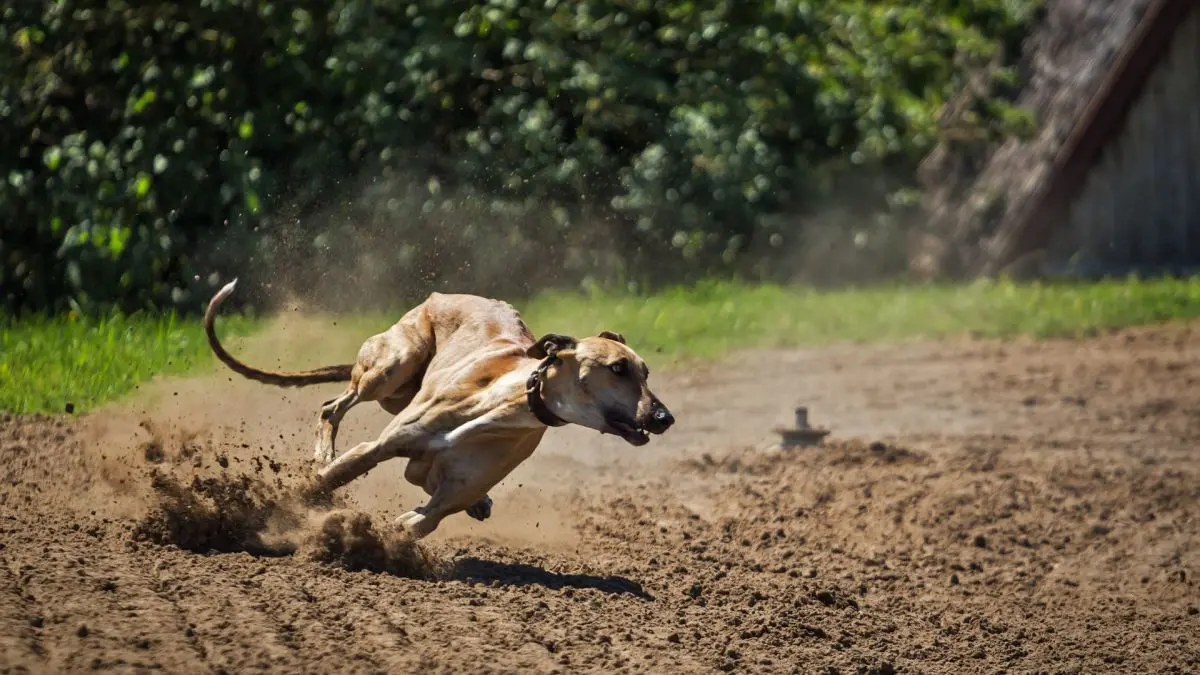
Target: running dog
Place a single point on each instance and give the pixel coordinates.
(472, 393)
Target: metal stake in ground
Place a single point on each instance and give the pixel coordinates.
(802, 436)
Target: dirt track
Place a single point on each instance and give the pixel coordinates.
(981, 507)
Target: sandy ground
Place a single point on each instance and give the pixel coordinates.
(981, 507)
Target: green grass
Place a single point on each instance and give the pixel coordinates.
(45, 363)
(709, 320)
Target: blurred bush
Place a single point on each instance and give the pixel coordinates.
(144, 145)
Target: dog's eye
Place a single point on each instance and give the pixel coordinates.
(618, 368)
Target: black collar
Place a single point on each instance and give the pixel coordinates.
(533, 394)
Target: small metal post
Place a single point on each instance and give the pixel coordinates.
(803, 435)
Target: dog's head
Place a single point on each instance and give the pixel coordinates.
(600, 383)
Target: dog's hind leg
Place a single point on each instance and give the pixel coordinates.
(388, 370)
(332, 412)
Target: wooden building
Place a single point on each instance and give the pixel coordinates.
(1110, 185)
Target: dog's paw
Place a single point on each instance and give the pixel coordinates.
(407, 517)
(415, 523)
(482, 509)
(323, 455)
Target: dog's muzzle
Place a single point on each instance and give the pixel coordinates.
(637, 432)
(660, 420)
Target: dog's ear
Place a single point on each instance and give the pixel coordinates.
(550, 343)
(615, 337)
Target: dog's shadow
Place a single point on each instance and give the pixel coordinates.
(518, 574)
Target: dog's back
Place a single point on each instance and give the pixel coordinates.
(457, 316)
(472, 333)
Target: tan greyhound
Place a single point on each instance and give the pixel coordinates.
(472, 392)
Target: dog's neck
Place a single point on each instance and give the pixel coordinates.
(534, 386)
(558, 393)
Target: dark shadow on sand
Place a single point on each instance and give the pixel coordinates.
(517, 574)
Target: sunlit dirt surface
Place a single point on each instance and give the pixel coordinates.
(980, 507)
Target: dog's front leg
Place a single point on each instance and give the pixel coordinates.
(359, 460)
(397, 440)
(446, 500)
(459, 479)
(417, 473)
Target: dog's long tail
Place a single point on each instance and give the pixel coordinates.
(278, 378)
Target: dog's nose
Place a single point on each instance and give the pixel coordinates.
(662, 418)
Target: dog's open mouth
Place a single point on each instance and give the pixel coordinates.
(632, 434)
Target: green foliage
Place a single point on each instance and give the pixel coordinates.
(144, 145)
(46, 363)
